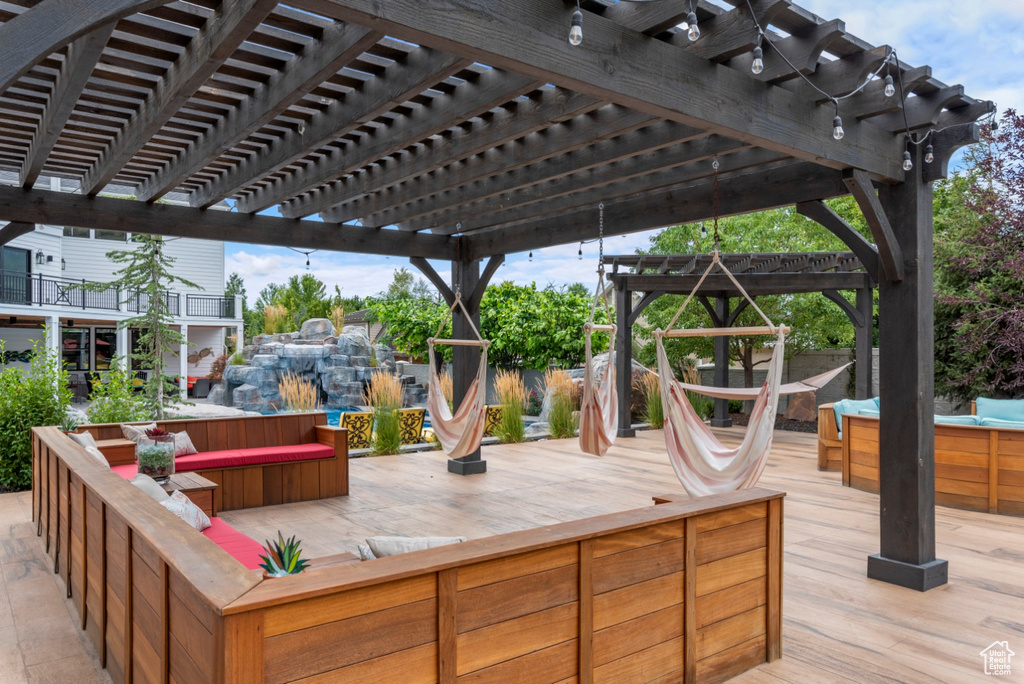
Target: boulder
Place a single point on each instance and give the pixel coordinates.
(316, 329)
(265, 360)
(803, 407)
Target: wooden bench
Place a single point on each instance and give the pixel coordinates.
(977, 468)
(830, 446)
(252, 486)
(685, 591)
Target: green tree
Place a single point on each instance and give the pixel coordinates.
(304, 296)
(146, 274)
(405, 285)
(815, 321)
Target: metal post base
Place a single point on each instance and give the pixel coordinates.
(474, 466)
(920, 577)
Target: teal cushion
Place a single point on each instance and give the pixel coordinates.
(1001, 409)
(996, 423)
(956, 420)
(851, 406)
(871, 413)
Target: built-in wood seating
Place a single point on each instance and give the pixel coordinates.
(978, 468)
(830, 446)
(685, 591)
(260, 484)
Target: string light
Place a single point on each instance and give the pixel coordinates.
(307, 253)
(890, 89)
(757, 66)
(837, 123)
(908, 163)
(531, 256)
(929, 154)
(692, 30)
(580, 252)
(576, 27)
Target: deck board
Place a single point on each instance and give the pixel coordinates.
(838, 626)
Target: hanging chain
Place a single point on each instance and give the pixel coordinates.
(718, 238)
(456, 281)
(600, 238)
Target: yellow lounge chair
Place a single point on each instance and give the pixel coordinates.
(410, 422)
(360, 428)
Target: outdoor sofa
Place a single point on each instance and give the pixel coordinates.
(685, 591)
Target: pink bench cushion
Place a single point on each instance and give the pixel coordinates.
(244, 549)
(230, 458)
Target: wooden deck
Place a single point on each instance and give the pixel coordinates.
(839, 625)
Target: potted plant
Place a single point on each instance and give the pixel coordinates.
(68, 423)
(156, 456)
(283, 557)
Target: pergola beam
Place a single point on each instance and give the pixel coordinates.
(208, 50)
(756, 284)
(339, 46)
(528, 37)
(79, 61)
(421, 69)
(14, 230)
(889, 254)
(820, 213)
(130, 216)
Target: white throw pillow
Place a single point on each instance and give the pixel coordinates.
(97, 454)
(149, 486)
(181, 506)
(392, 546)
(84, 439)
(183, 445)
(364, 552)
(137, 433)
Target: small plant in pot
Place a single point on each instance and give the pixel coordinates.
(68, 423)
(283, 557)
(156, 456)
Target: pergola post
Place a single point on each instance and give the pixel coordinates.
(624, 356)
(907, 429)
(465, 360)
(721, 416)
(863, 343)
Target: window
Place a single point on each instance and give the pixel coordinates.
(106, 347)
(111, 235)
(71, 231)
(15, 275)
(75, 348)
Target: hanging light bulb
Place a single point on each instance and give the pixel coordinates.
(531, 256)
(929, 154)
(908, 163)
(693, 32)
(703, 231)
(580, 253)
(837, 128)
(890, 89)
(576, 28)
(995, 124)
(307, 262)
(757, 66)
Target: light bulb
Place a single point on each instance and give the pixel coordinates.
(995, 125)
(890, 89)
(929, 154)
(757, 66)
(908, 163)
(703, 231)
(576, 29)
(580, 253)
(837, 128)
(531, 256)
(693, 33)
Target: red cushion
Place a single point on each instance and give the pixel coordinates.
(230, 458)
(245, 550)
(126, 471)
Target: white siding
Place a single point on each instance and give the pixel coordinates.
(48, 240)
(21, 339)
(199, 338)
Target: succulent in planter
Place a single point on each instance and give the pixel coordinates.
(156, 456)
(283, 557)
(68, 423)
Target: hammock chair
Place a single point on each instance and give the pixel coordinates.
(461, 434)
(599, 411)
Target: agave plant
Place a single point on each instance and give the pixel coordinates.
(282, 557)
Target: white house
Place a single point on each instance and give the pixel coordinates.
(37, 270)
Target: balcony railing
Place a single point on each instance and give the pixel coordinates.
(209, 306)
(27, 289)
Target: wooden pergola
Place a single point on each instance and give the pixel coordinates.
(464, 130)
(655, 275)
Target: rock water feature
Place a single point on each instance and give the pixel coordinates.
(339, 365)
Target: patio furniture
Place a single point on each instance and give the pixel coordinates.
(410, 425)
(830, 437)
(493, 413)
(201, 388)
(360, 428)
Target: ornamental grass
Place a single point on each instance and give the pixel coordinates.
(558, 387)
(649, 386)
(384, 395)
(275, 319)
(511, 392)
(446, 387)
(298, 395)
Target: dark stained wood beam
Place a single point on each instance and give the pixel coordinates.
(421, 69)
(513, 121)
(680, 165)
(33, 35)
(79, 61)
(872, 101)
(922, 110)
(840, 76)
(944, 143)
(867, 253)
(339, 46)
(15, 229)
(651, 18)
(776, 185)
(106, 213)
(889, 255)
(756, 284)
(528, 37)
(564, 141)
(731, 33)
(802, 50)
(435, 279)
(209, 49)
(856, 317)
(471, 98)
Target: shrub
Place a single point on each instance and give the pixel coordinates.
(511, 395)
(115, 401)
(558, 387)
(32, 398)
(703, 405)
(218, 366)
(298, 395)
(534, 402)
(649, 385)
(237, 359)
(384, 393)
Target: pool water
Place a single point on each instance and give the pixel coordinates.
(334, 416)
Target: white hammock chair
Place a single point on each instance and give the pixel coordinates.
(599, 411)
(702, 464)
(461, 434)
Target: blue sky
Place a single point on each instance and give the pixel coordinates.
(978, 44)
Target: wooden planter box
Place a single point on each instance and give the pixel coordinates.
(976, 468)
